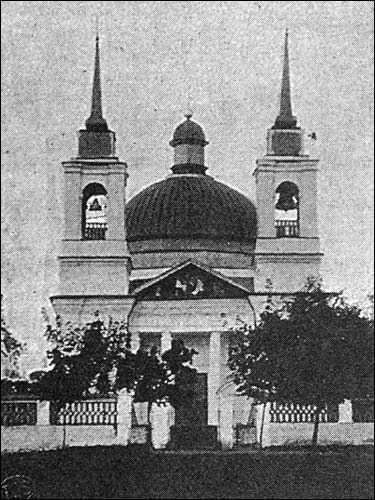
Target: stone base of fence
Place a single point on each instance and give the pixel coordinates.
(329, 434)
(49, 437)
(139, 434)
(32, 437)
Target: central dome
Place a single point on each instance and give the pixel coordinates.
(191, 207)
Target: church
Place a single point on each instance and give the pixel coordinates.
(187, 257)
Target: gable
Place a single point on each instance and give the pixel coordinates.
(191, 282)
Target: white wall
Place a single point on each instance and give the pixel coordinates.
(329, 433)
(48, 437)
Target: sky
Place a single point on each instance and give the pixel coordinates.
(222, 59)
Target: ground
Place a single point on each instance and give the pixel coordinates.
(135, 472)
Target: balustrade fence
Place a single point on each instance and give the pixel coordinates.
(287, 228)
(19, 412)
(104, 412)
(95, 230)
(281, 413)
(86, 412)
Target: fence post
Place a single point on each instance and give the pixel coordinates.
(226, 422)
(345, 412)
(160, 425)
(43, 413)
(124, 416)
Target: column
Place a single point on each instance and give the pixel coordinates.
(165, 342)
(214, 378)
(135, 341)
(345, 412)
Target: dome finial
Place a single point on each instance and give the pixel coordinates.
(189, 111)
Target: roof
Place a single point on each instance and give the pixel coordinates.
(191, 207)
(188, 132)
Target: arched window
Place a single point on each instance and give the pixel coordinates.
(94, 212)
(287, 210)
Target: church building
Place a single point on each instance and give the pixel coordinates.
(187, 257)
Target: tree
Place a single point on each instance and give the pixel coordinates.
(83, 359)
(11, 348)
(145, 376)
(97, 358)
(182, 376)
(168, 378)
(314, 349)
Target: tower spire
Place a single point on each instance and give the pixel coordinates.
(96, 122)
(285, 120)
(96, 141)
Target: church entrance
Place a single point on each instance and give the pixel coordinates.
(196, 413)
(191, 429)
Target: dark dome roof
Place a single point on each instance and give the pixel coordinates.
(190, 207)
(188, 132)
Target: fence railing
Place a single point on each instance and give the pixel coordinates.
(105, 412)
(363, 410)
(86, 412)
(95, 230)
(281, 413)
(287, 228)
(19, 413)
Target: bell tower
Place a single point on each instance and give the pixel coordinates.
(287, 249)
(94, 263)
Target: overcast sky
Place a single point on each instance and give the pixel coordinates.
(228, 57)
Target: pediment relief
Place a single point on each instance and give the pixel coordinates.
(191, 282)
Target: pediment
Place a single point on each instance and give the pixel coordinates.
(190, 281)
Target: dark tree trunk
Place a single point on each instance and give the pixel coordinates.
(64, 435)
(149, 431)
(262, 426)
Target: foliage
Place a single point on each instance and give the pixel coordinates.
(18, 387)
(83, 359)
(11, 348)
(312, 349)
(97, 358)
(159, 379)
(182, 376)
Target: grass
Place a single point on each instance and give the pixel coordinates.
(135, 472)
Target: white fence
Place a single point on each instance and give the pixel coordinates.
(86, 412)
(281, 413)
(32, 425)
(293, 424)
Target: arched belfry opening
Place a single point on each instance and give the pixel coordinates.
(287, 210)
(94, 212)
